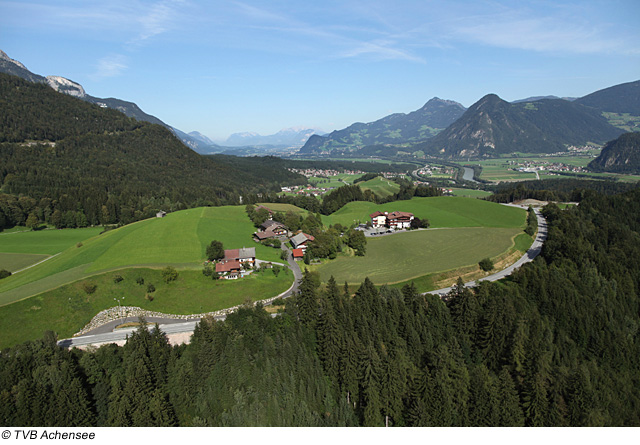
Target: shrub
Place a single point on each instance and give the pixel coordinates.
(207, 271)
(151, 288)
(148, 297)
(89, 288)
(486, 264)
(140, 281)
(117, 278)
(4, 273)
(79, 244)
(169, 274)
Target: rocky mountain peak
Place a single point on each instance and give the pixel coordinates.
(63, 85)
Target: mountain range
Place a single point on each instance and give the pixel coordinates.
(288, 137)
(542, 124)
(493, 126)
(398, 128)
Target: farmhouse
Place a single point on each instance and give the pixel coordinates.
(244, 255)
(271, 229)
(298, 254)
(232, 265)
(399, 220)
(394, 220)
(300, 241)
(230, 270)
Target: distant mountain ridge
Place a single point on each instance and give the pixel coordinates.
(397, 128)
(288, 137)
(493, 126)
(64, 85)
(621, 155)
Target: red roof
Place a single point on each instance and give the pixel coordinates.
(376, 214)
(298, 253)
(229, 266)
(400, 215)
(231, 254)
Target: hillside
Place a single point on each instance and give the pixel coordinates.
(78, 164)
(621, 155)
(397, 128)
(623, 98)
(493, 126)
(63, 85)
(180, 239)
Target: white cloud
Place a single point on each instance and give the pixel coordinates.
(110, 66)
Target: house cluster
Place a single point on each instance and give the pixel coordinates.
(236, 263)
(533, 166)
(321, 173)
(433, 170)
(274, 229)
(394, 220)
(306, 190)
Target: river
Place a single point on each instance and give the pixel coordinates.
(468, 174)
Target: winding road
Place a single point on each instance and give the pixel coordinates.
(107, 334)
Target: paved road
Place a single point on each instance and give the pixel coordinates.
(533, 252)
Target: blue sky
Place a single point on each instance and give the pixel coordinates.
(221, 67)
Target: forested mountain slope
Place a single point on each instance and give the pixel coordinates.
(71, 161)
(621, 155)
(397, 128)
(557, 344)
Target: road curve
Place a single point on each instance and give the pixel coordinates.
(533, 252)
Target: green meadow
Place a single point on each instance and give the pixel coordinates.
(405, 256)
(284, 208)
(180, 239)
(463, 231)
(69, 308)
(441, 211)
(380, 186)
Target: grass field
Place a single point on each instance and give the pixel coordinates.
(442, 211)
(410, 255)
(380, 186)
(179, 239)
(470, 193)
(45, 242)
(69, 308)
(284, 208)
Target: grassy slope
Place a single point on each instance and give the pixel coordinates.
(68, 309)
(47, 242)
(380, 186)
(440, 211)
(404, 256)
(284, 208)
(179, 239)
